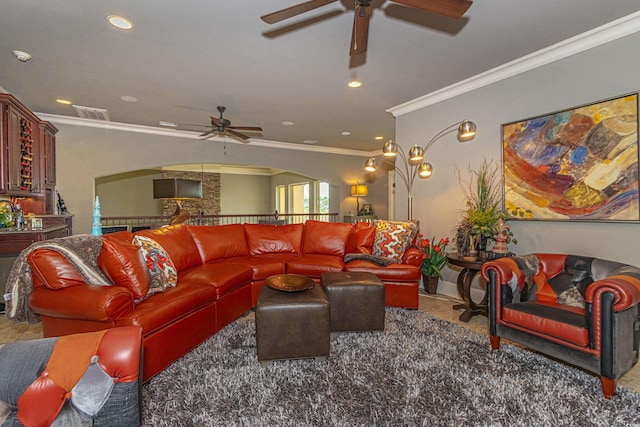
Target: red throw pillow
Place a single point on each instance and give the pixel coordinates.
(122, 262)
(361, 238)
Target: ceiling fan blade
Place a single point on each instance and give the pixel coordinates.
(292, 11)
(237, 134)
(216, 121)
(360, 32)
(209, 132)
(251, 128)
(450, 8)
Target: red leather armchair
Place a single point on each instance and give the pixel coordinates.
(581, 310)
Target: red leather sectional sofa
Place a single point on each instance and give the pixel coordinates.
(220, 271)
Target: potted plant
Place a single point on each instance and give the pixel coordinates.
(482, 193)
(433, 261)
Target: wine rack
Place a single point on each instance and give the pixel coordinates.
(26, 155)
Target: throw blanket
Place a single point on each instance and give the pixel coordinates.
(81, 251)
(377, 260)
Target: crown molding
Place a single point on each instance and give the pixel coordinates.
(606, 33)
(173, 133)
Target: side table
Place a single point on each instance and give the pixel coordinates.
(469, 270)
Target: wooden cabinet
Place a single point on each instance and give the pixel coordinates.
(27, 159)
(14, 242)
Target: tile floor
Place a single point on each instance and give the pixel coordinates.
(438, 305)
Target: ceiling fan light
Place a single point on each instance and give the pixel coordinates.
(425, 170)
(466, 130)
(371, 165)
(390, 149)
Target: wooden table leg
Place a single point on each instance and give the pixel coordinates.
(465, 279)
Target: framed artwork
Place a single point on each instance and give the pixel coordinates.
(367, 209)
(579, 164)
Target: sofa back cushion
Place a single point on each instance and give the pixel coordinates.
(176, 240)
(360, 239)
(325, 238)
(51, 269)
(269, 239)
(123, 263)
(219, 241)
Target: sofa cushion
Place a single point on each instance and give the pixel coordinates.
(219, 241)
(391, 273)
(162, 271)
(263, 266)
(165, 308)
(361, 238)
(555, 320)
(224, 278)
(52, 269)
(178, 243)
(325, 238)
(393, 238)
(314, 265)
(268, 239)
(124, 264)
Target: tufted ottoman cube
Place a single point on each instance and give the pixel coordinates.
(356, 300)
(292, 325)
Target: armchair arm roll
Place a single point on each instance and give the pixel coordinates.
(92, 303)
(503, 271)
(412, 256)
(626, 290)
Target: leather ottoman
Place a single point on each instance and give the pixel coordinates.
(292, 325)
(356, 300)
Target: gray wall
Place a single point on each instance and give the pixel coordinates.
(85, 153)
(245, 193)
(601, 72)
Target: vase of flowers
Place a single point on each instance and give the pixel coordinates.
(433, 261)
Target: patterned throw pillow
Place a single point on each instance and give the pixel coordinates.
(393, 238)
(161, 269)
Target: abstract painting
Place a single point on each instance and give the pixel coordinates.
(579, 164)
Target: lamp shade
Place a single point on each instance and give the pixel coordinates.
(359, 190)
(176, 188)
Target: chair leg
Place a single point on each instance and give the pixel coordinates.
(495, 342)
(608, 387)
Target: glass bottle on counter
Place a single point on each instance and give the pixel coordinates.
(19, 218)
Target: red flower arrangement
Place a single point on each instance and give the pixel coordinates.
(434, 256)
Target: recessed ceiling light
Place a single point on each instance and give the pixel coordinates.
(309, 141)
(287, 123)
(127, 98)
(345, 133)
(379, 137)
(167, 124)
(63, 101)
(22, 56)
(120, 22)
(354, 83)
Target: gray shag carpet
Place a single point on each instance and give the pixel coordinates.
(420, 371)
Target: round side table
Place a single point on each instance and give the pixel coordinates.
(469, 271)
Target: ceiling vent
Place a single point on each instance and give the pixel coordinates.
(92, 113)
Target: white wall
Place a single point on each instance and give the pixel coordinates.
(601, 72)
(245, 193)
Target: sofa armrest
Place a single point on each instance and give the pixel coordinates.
(412, 256)
(92, 303)
(626, 290)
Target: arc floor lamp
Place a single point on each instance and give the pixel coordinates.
(413, 164)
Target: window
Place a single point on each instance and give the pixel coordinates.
(299, 200)
(322, 199)
(281, 198)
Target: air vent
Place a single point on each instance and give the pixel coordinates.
(92, 113)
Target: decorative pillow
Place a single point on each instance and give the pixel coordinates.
(361, 238)
(162, 271)
(393, 238)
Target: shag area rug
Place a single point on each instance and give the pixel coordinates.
(420, 371)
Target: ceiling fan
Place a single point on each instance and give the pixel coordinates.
(360, 33)
(222, 125)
